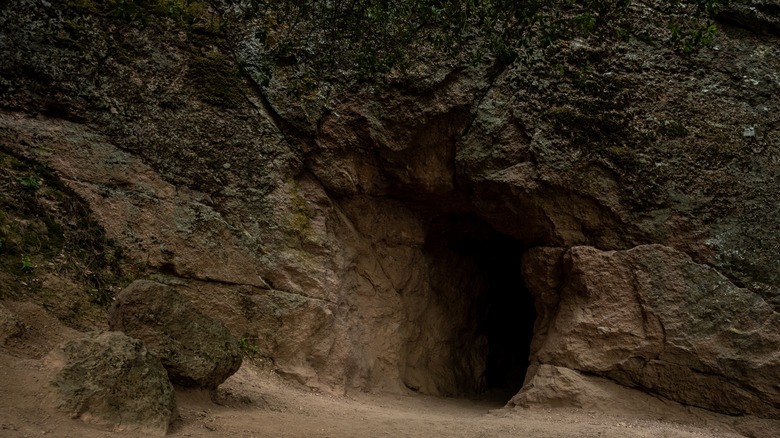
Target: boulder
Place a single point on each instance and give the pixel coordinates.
(652, 318)
(113, 381)
(197, 350)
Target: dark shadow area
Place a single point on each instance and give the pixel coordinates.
(501, 311)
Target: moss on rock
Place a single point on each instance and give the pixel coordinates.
(216, 79)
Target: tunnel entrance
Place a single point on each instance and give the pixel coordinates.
(487, 327)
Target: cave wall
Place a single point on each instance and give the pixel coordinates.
(309, 224)
(652, 318)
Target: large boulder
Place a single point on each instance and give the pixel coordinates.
(197, 350)
(111, 380)
(651, 318)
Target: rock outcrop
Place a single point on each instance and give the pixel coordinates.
(652, 318)
(195, 349)
(112, 381)
(371, 237)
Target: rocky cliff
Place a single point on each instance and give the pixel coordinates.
(603, 207)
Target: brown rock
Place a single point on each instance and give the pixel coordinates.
(195, 349)
(113, 381)
(310, 215)
(651, 318)
(550, 385)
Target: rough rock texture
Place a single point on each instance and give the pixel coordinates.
(195, 349)
(652, 318)
(113, 381)
(369, 237)
(563, 387)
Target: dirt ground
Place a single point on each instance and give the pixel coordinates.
(256, 402)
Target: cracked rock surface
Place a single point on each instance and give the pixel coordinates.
(615, 194)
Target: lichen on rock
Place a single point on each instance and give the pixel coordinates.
(364, 233)
(112, 381)
(195, 349)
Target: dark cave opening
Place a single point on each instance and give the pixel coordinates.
(495, 319)
(508, 318)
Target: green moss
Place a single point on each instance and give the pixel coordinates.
(82, 5)
(45, 227)
(625, 157)
(300, 218)
(673, 129)
(597, 128)
(72, 26)
(120, 53)
(714, 134)
(215, 79)
(600, 133)
(197, 16)
(296, 220)
(194, 15)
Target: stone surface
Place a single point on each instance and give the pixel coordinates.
(326, 227)
(652, 318)
(548, 385)
(195, 349)
(112, 381)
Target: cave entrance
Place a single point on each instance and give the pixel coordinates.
(476, 279)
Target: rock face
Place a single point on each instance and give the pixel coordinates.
(373, 238)
(113, 381)
(195, 349)
(651, 318)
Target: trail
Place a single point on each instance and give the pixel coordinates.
(258, 403)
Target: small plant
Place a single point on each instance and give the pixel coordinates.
(27, 265)
(673, 129)
(247, 347)
(586, 22)
(694, 37)
(30, 183)
(101, 296)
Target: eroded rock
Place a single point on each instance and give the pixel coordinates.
(195, 349)
(652, 318)
(312, 215)
(111, 380)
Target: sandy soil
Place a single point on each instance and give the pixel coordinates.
(256, 402)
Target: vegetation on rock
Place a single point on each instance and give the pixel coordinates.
(374, 37)
(46, 229)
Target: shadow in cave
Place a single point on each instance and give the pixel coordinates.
(499, 313)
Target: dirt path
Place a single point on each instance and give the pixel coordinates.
(279, 410)
(257, 403)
